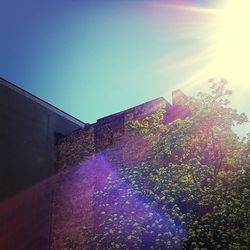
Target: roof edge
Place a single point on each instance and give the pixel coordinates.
(159, 99)
(38, 100)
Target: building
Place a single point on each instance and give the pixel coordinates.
(29, 128)
(53, 163)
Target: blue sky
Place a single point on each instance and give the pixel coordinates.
(94, 58)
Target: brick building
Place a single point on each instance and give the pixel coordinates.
(57, 201)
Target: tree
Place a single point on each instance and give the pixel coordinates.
(193, 194)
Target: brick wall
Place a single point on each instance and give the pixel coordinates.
(78, 146)
(108, 135)
(86, 158)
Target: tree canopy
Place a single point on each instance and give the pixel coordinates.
(195, 191)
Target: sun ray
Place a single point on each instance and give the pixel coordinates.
(185, 7)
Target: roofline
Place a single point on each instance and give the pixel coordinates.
(38, 100)
(159, 99)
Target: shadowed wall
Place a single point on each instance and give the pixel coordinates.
(28, 130)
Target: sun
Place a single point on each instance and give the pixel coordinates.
(222, 29)
(232, 42)
(227, 50)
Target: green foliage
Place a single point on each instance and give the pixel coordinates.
(195, 194)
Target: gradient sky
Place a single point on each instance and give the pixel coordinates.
(95, 58)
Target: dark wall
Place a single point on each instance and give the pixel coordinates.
(27, 139)
(25, 219)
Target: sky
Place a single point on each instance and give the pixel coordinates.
(94, 58)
